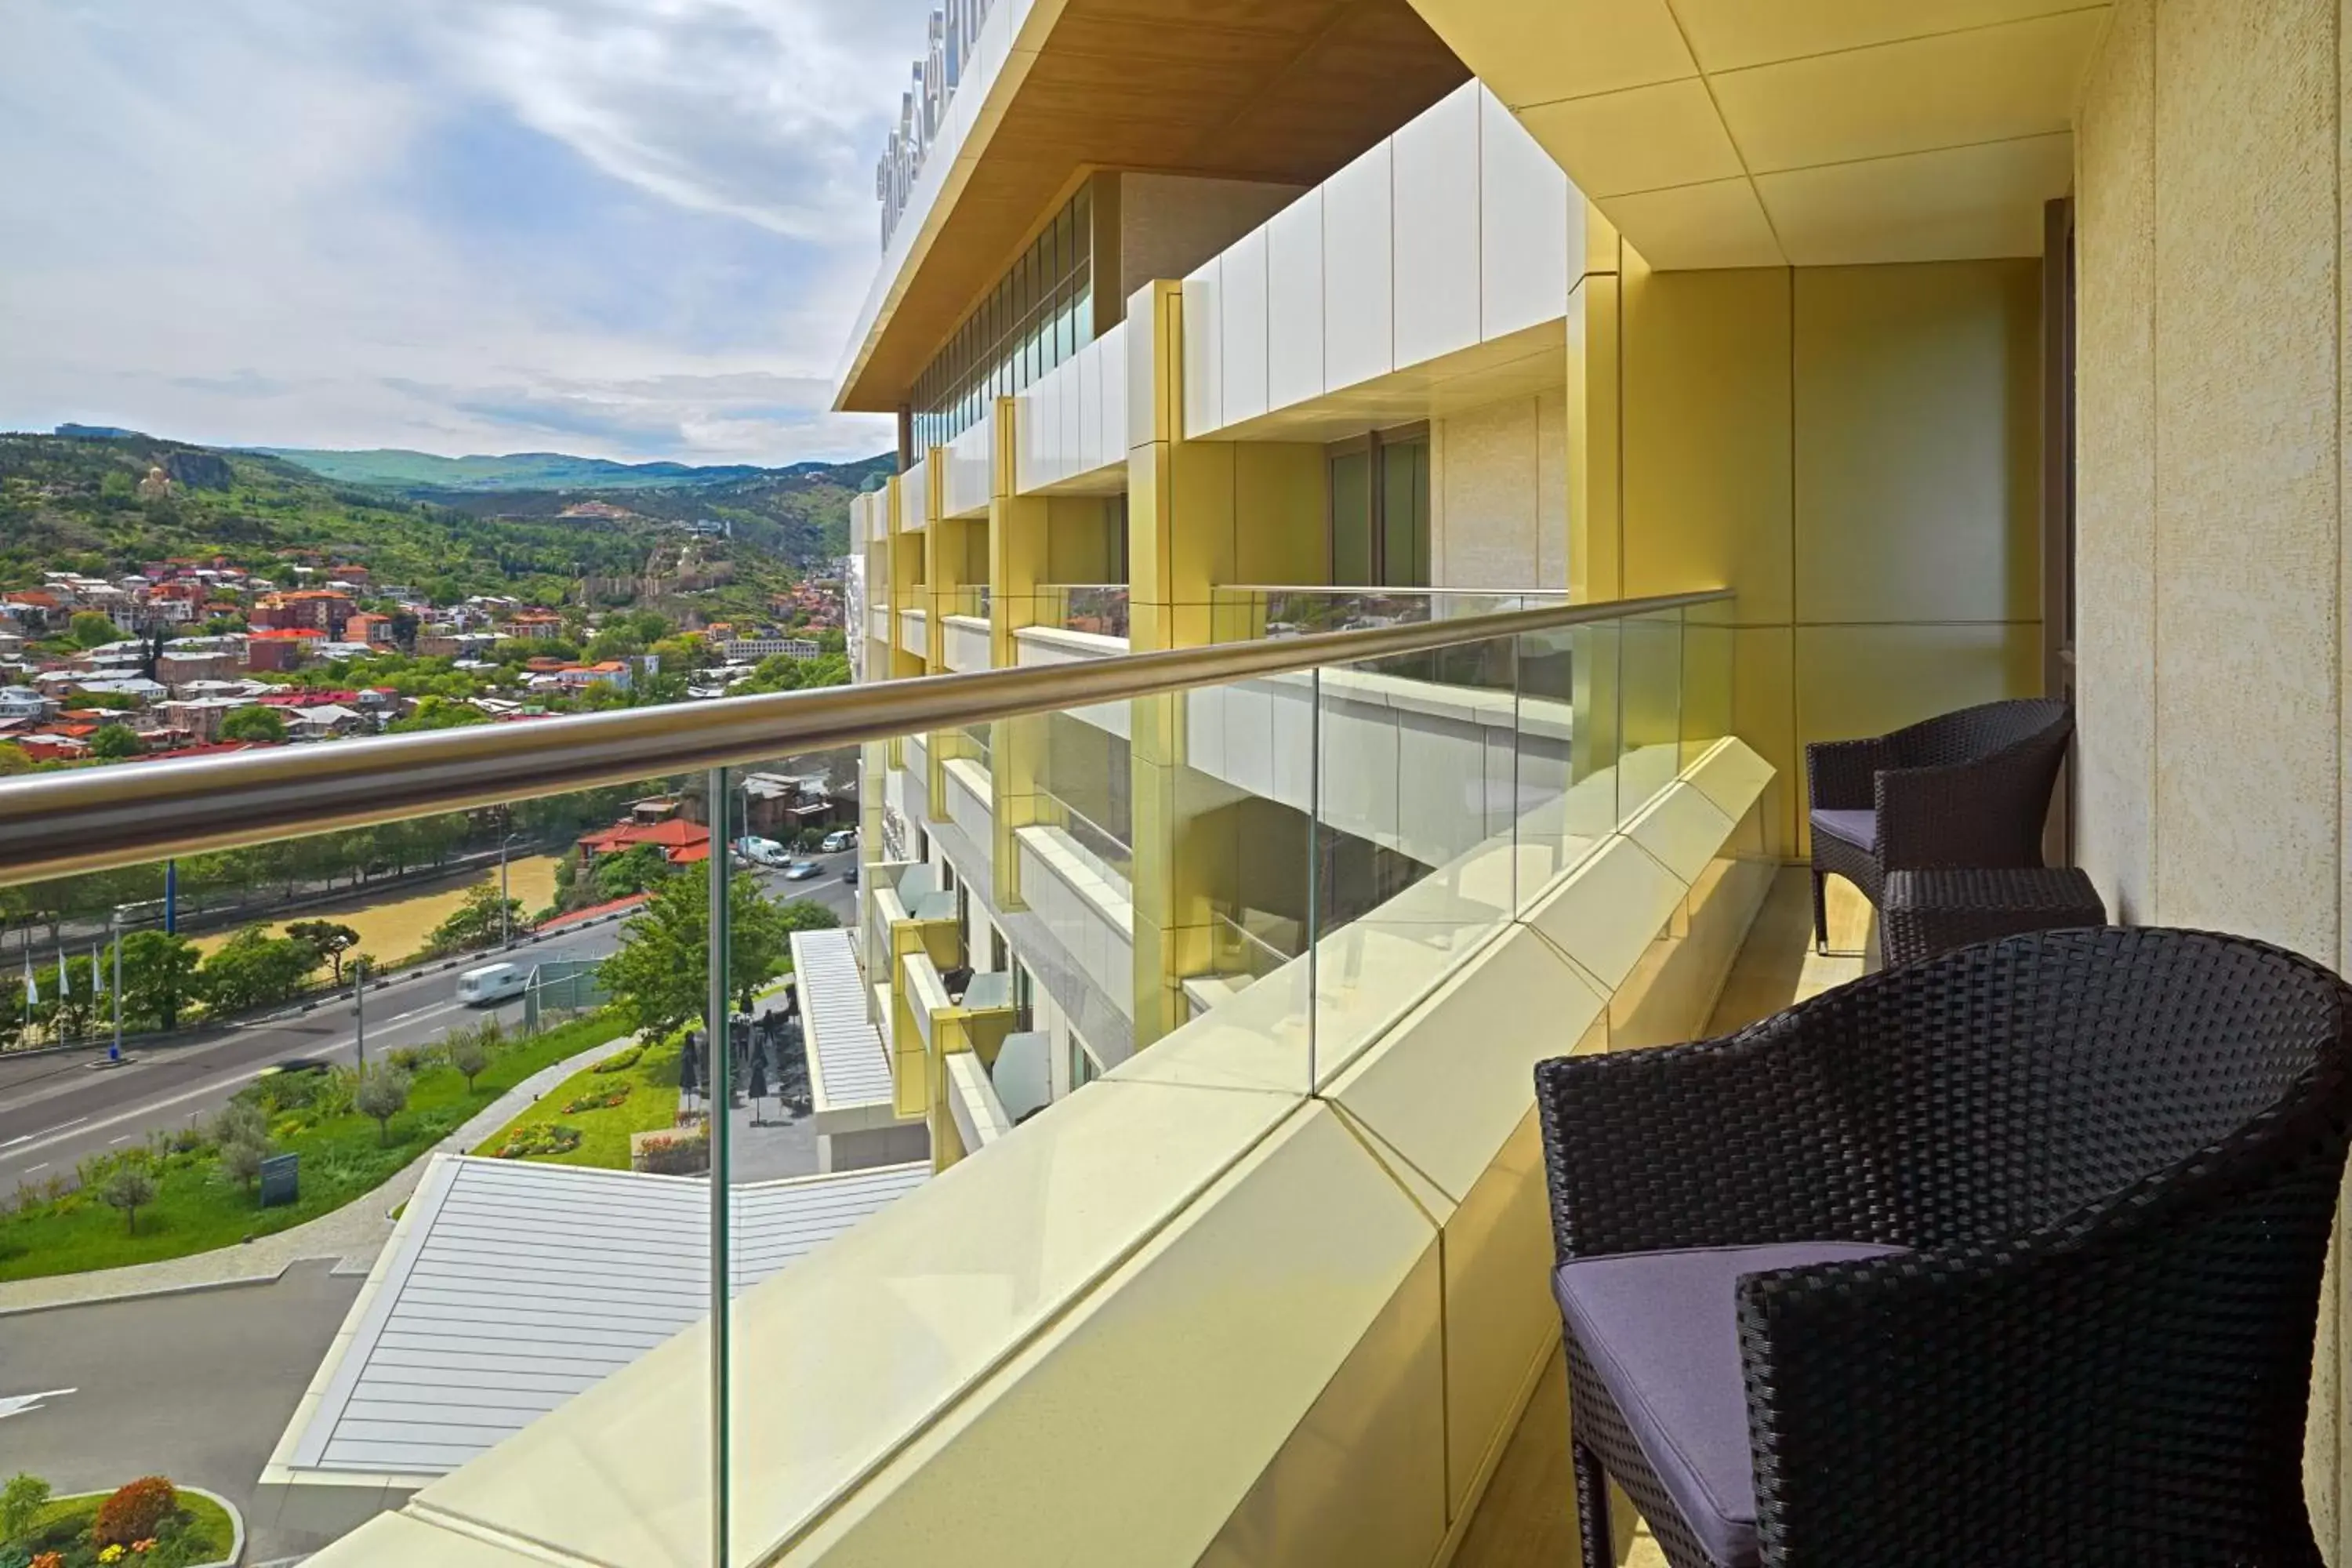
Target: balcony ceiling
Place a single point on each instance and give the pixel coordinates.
(1232, 88)
(1758, 133)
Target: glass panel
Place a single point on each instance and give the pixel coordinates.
(1404, 514)
(1415, 819)
(1650, 723)
(1351, 518)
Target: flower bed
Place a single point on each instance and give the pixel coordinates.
(149, 1523)
(537, 1138)
(603, 1099)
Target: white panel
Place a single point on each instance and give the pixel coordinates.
(1523, 226)
(1140, 337)
(1067, 397)
(1115, 392)
(1294, 311)
(967, 480)
(1203, 351)
(1034, 459)
(1243, 286)
(1088, 370)
(1435, 228)
(1359, 272)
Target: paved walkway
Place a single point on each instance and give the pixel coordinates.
(351, 1235)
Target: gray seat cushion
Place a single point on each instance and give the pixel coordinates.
(1859, 828)
(1661, 1330)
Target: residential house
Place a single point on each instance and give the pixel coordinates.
(281, 647)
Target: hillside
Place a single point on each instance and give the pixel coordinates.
(420, 473)
(110, 504)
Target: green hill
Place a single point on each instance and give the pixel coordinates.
(110, 505)
(393, 468)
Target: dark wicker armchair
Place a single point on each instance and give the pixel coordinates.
(2011, 1257)
(1964, 789)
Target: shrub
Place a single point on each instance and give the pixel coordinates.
(621, 1061)
(241, 1158)
(21, 1501)
(134, 1512)
(538, 1138)
(413, 1060)
(603, 1099)
(674, 1154)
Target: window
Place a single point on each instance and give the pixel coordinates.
(1380, 510)
(1084, 1068)
(1039, 314)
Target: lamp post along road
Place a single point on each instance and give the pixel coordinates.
(506, 910)
(359, 1009)
(114, 936)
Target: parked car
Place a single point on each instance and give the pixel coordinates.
(762, 851)
(849, 873)
(837, 840)
(799, 870)
(491, 983)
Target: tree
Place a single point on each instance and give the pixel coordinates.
(241, 1158)
(91, 629)
(381, 1092)
(437, 713)
(328, 938)
(659, 978)
(634, 870)
(253, 969)
(13, 760)
(130, 1188)
(21, 1502)
(159, 976)
(113, 742)
(470, 1054)
(481, 920)
(256, 723)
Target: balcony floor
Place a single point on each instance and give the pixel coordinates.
(1527, 1518)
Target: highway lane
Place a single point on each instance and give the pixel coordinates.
(54, 1111)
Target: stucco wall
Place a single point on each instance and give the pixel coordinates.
(1498, 495)
(2210, 570)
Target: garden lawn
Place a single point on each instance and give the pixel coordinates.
(605, 1133)
(67, 1521)
(197, 1209)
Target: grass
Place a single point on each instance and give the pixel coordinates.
(393, 927)
(604, 1134)
(66, 1523)
(198, 1210)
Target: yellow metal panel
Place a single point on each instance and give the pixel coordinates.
(1499, 1316)
(1595, 499)
(1603, 913)
(1866, 680)
(1200, 521)
(1534, 51)
(1707, 422)
(1728, 34)
(1718, 224)
(1303, 1283)
(1281, 526)
(1445, 1087)
(1955, 89)
(1919, 403)
(1953, 204)
(1682, 829)
(1643, 139)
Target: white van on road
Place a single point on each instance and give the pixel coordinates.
(493, 984)
(762, 851)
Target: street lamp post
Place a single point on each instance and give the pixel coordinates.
(506, 910)
(359, 1007)
(114, 935)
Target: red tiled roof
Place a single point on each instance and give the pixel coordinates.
(576, 916)
(281, 633)
(674, 834)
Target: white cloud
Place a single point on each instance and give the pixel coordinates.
(626, 226)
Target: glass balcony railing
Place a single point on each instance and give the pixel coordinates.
(1098, 609)
(695, 1104)
(1242, 613)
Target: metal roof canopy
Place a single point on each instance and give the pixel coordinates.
(509, 1288)
(848, 1068)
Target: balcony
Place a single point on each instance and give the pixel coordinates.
(1338, 987)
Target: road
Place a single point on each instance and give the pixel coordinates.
(56, 1110)
(196, 1387)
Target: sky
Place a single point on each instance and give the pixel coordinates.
(621, 228)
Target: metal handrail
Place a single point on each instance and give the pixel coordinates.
(99, 818)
